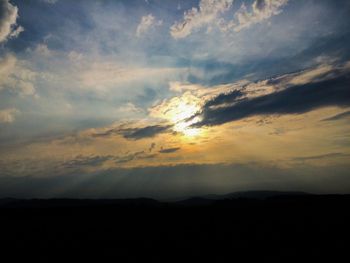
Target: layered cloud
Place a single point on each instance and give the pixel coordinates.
(8, 18)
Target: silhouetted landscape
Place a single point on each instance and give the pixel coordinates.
(258, 225)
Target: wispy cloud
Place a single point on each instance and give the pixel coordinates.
(261, 10)
(147, 22)
(16, 76)
(8, 115)
(210, 14)
(196, 18)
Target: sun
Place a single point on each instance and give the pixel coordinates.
(180, 119)
(181, 112)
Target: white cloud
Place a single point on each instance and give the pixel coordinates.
(209, 14)
(146, 23)
(8, 17)
(196, 18)
(261, 10)
(8, 115)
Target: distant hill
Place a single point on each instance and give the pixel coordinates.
(260, 195)
(259, 226)
(254, 195)
(147, 202)
(67, 203)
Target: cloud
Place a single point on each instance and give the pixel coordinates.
(330, 90)
(8, 18)
(340, 116)
(16, 76)
(210, 14)
(179, 87)
(80, 160)
(128, 109)
(169, 150)
(135, 133)
(224, 98)
(196, 18)
(8, 115)
(134, 156)
(96, 161)
(261, 10)
(152, 146)
(144, 132)
(322, 156)
(146, 23)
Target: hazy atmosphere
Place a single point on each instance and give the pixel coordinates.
(173, 98)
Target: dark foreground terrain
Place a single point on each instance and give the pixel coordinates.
(233, 228)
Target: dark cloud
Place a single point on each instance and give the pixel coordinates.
(96, 160)
(293, 100)
(224, 98)
(134, 156)
(170, 150)
(152, 146)
(339, 116)
(136, 133)
(322, 156)
(81, 160)
(145, 132)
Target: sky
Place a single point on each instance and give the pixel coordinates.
(173, 98)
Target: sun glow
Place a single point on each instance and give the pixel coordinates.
(183, 112)
(180, 111)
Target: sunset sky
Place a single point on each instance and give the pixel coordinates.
(172, 98)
